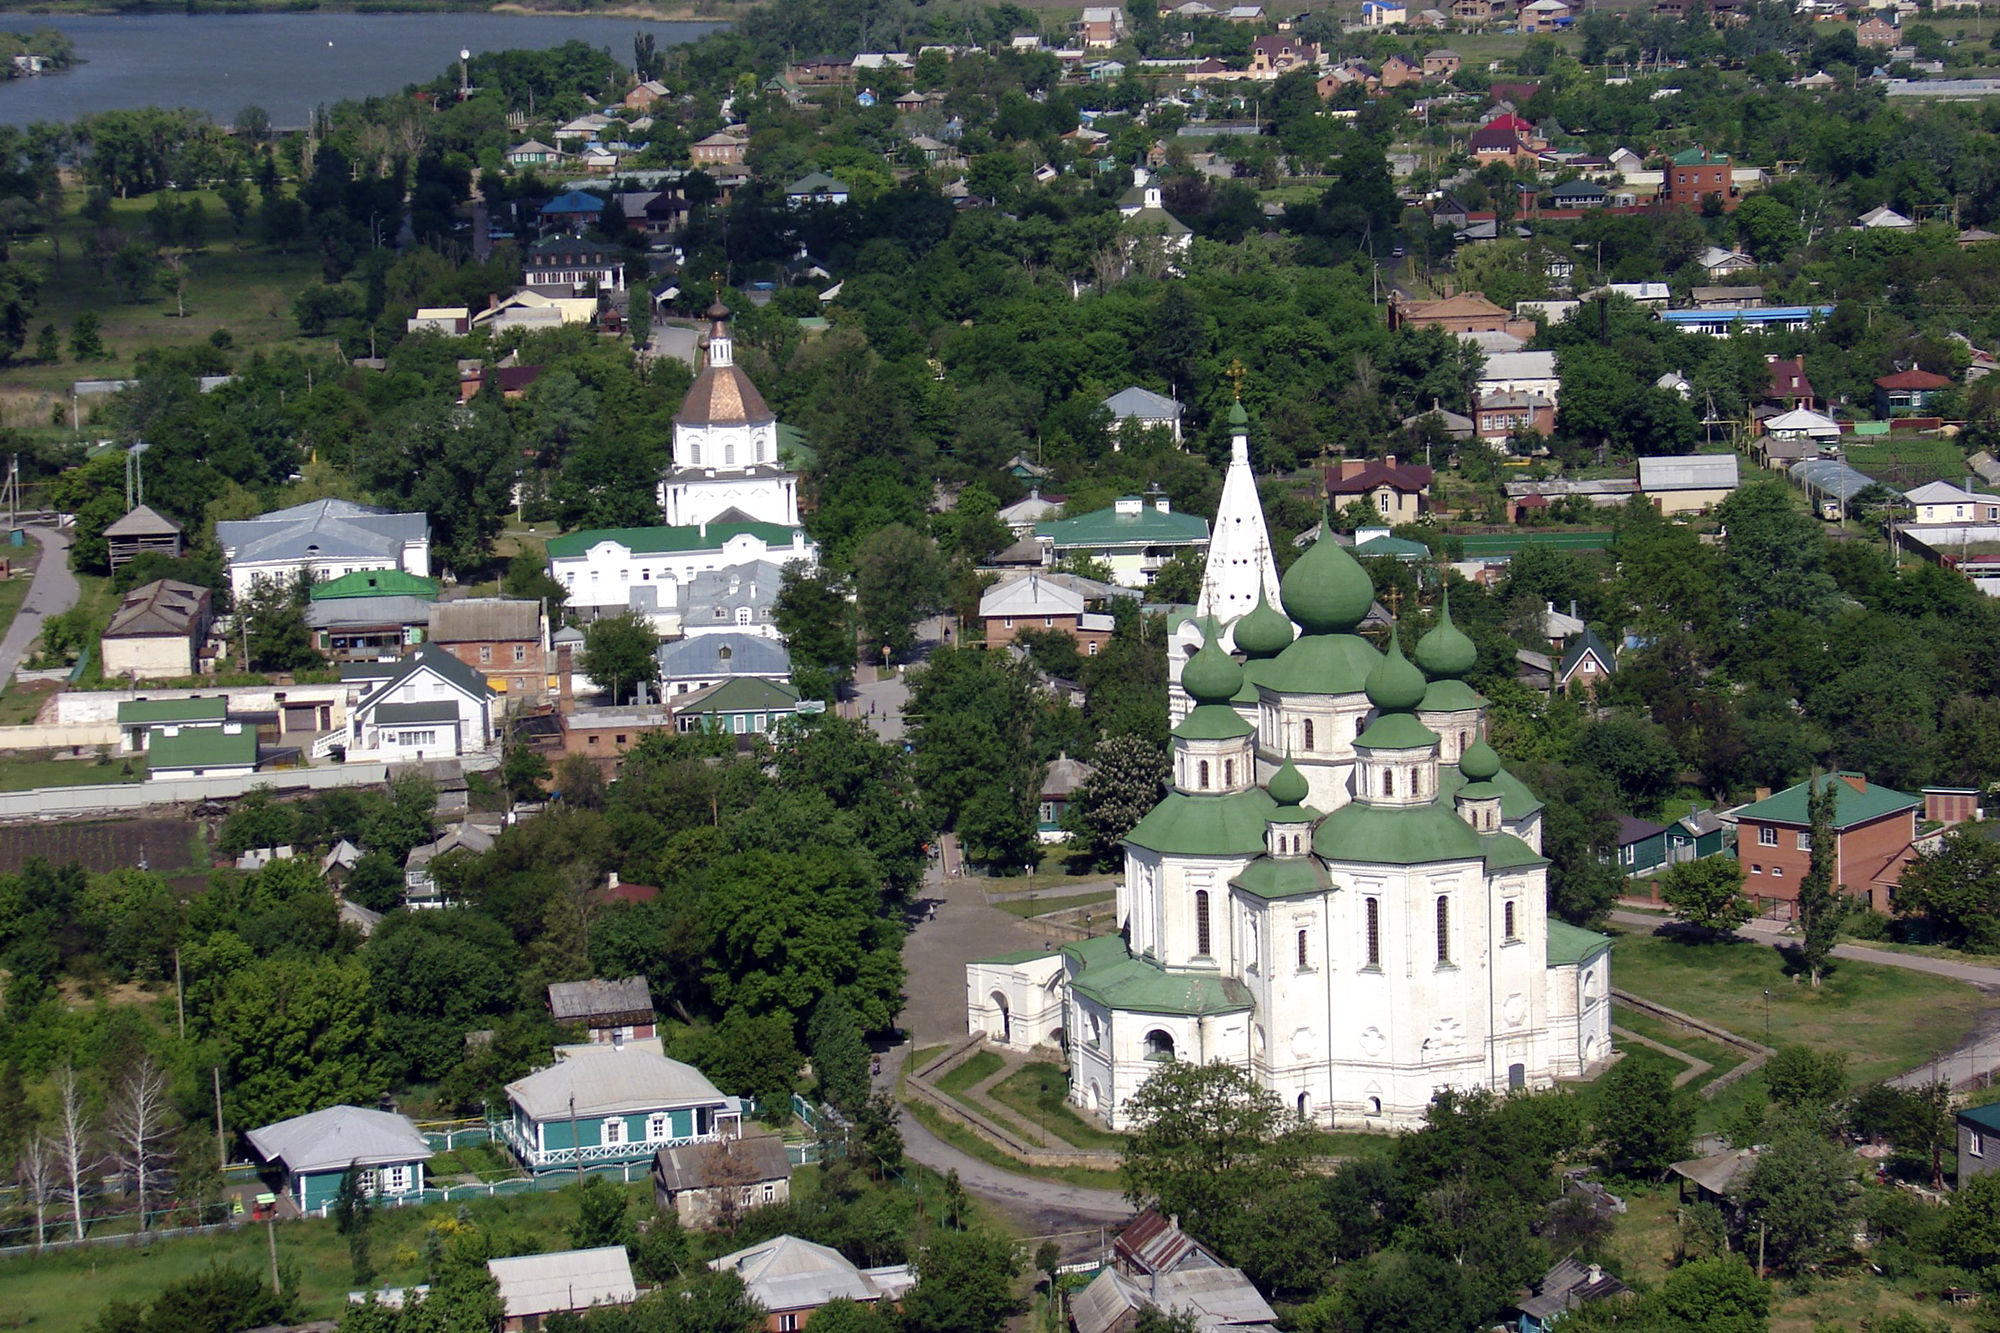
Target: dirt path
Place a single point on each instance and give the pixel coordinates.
(53, 592)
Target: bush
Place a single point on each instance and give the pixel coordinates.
(1865, 926)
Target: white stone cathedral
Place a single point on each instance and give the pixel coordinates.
(726, 466)
(1343, 891)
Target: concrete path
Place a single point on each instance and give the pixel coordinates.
(53, 592)
(1048, 1204)
(1774, 934)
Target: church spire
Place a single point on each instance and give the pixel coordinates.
(1240, 568)
(721, 346)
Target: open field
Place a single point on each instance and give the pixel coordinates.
(38, 768)
(1025, 907)
(1886, 1019)
(982, 1065)
(1906, 463)
(167, 845)
(1037, 1093)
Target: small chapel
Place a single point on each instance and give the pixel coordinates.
(726, 466)
(1342, 891)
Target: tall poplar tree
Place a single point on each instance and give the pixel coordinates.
(1822, 905)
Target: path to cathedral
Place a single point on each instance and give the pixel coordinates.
(961, 928)
(1978, 1057)
(53, 592)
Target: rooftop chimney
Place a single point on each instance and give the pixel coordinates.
(1763, 793)
(1857, 781)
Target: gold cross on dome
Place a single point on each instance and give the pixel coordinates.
(1394, 597)
(1236, 374)
(716, 278)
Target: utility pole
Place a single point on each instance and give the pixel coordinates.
(180, 1004)
(575, 1143)
(271, 1234)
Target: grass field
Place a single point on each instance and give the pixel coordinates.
(972, 1145)
(1026, 907)
(1037, 1093)
(1721, 1058)
(64, 1292)
(38, 769)
(982, 1065)
(247, 291)
(1886, 1019)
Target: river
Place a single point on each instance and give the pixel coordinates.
(285, 63)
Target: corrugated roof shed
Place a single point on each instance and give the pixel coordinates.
(540, 1284)
(574, 1001)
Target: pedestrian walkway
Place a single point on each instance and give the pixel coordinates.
(53, 592)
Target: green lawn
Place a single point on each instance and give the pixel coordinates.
(36, 769)
(1026, 907)
(65, 1291)
(1721, 1058)
(1886, 1019)
(982, 1065)
(1037, 1092)
(247, 291)
(972, 1145)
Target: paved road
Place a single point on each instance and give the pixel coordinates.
(1049, 1204)
(880, 702)
(53, 592)
(1773, 934)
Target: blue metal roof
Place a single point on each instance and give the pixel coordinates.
(1754, 315)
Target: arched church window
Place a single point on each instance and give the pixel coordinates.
(1201, 937)
(1444, 930)
(1229, 772)
(1302, 951)
(1388, 782)
(694, 454)
(1309, 733)
(1374, 916)
(1507, 920)
(728, 455)
(1202, 771)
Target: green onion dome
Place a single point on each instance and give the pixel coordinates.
(1446, 651)
(1396, 686)
(1288, 786)
(1237, 416)
(1264, 632)
(1480, 762)
(1211, 675)
(1326, 590)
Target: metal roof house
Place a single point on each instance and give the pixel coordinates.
(534, 1286)
(315, 1150)
(428, 705)
(1137, 408)
(793, 1277)
(610, 1105)
(687, 665)
(143, 531)
(704, 1182)
(612, 1011)
(1134, 537)
(177, 750)
(1691, 484)
(325, 538)
(420, 888)
(157, 631)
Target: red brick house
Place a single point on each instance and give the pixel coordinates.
(1790, 386)
(1695, 174)
(502, 638)
(1875, 827)
(1467, 312)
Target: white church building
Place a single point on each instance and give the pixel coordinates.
(1343, 890)
(726, 467)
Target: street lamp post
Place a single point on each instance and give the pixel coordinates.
(464, 79)
(1767, 1018)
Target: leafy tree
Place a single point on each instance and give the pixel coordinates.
(296, 1034)
(1715, 1295)
(1207, 1143)
(437, 976)
(215, 1298)
(318, 308)
(1955, 891)
(839, 1054)
(899, 579)
(1708, 893)
(1803, 1079)
(621, 653)
(812, 613)
(86, 341)
(751, 1054)
(1801, 1191)
(48, 347)
(353, 1209)
(258, 820)
(275, 615)
(1644, 1125)
(964, 1284)
(975, 761)
(1822, 903)
(600, 1217)
(660, 1248)
(1774, 557)
(1128, 778)
(1918, 1121)
(1970, 1233)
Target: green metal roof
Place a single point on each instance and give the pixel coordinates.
(1983, 1117)
(1213, 722)
(1700, 157)
(747, 694)
(1272, 877)
(376, 583)
(1851, 807)
(1395, 547)
(1504, 851)
(1396, 731)
(1187, 825)
(203, 747)
(1110, 975)
(1322, 664)
(1450, 696)
(1108, 527)
(663, 540)
(1569, 945)
(1516, 800)
(145, 712)
(1018, 956)
(1406, 836)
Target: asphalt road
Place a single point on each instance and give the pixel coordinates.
(53, 592)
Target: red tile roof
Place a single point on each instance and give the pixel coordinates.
(1788, 380)
(1402, 477)
(1912, 379)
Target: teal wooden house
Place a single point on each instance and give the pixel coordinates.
(1642, 845)
(1697, 835)
(613, 1105)
(312, 1152)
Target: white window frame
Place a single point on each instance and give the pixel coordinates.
(1766, 836)
(613, 1131)
(659, 1127)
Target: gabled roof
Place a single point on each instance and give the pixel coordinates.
(486, 620)
(1452, 307)
(740, 694)
(815, 182)
(571, 1001)
(574, 201)
(1401, 477)
(612, 1080)
(1585, 643)
(1851, 807)
(1632, 830)
(733, 1162)
(439, 663)
(539, 1284)
(1138, 402)
(1913, 378)
(786, 1273)
(1030, 595)
(1788, 379)
(1944, 493)
(339, 1136)
(163, 607)
(322, 530)
(1570, 945)
(1577, 189)
(1108, 527)
(376, 583)
(727, 654)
